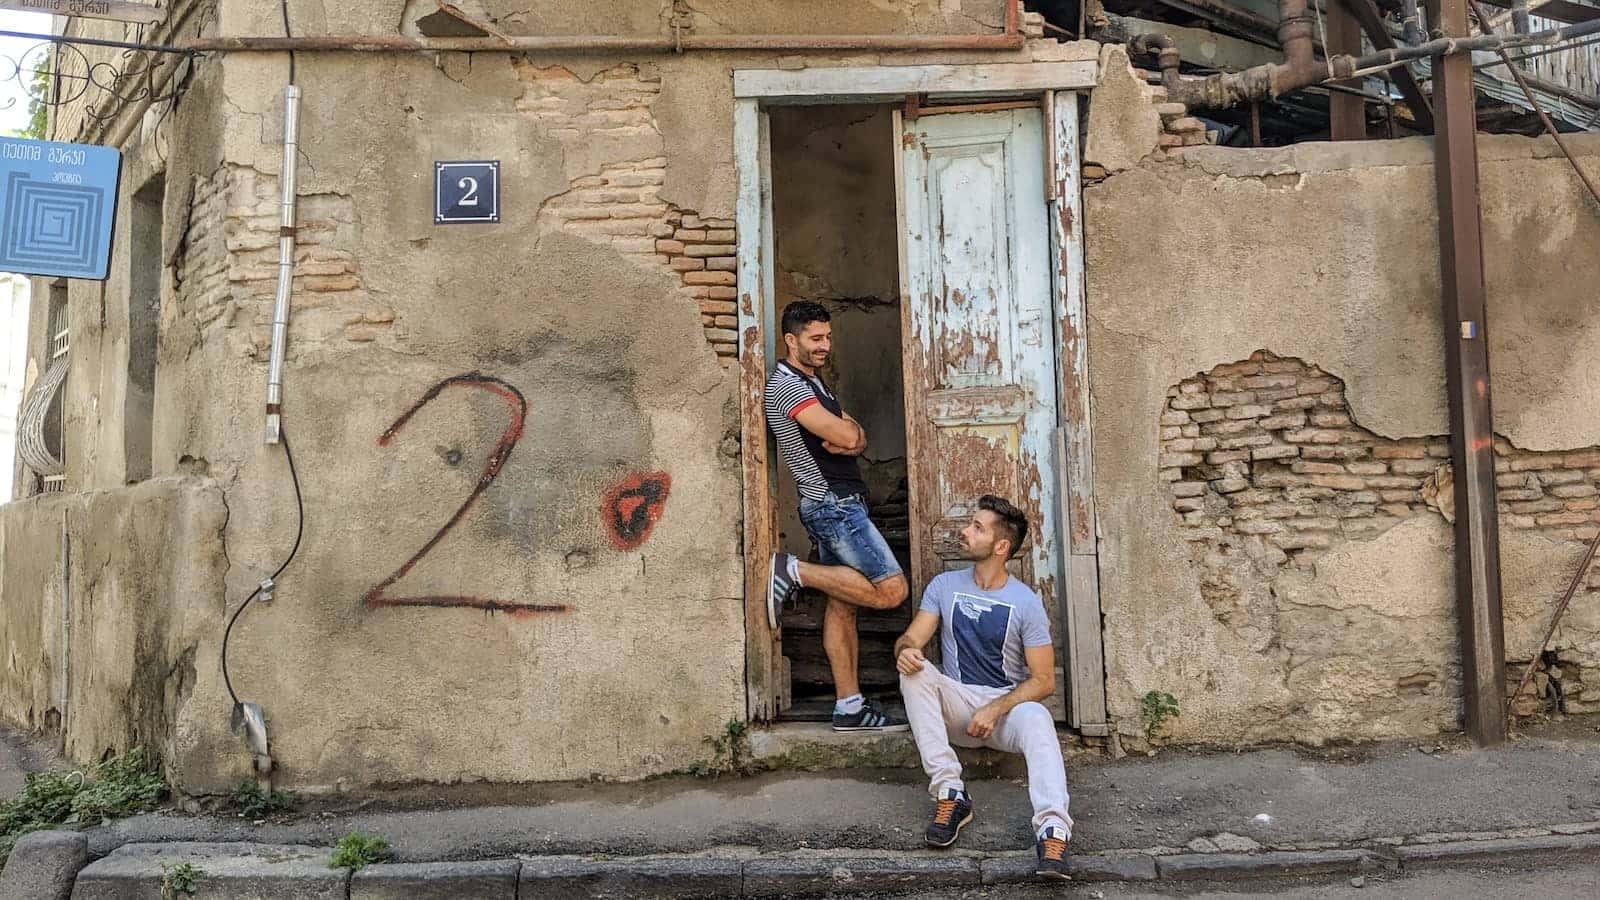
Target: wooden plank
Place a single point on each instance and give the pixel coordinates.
(1072, 322)
(869, 83)
(760, 643)
(116, 10)
(1082, 626)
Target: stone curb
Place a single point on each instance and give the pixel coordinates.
(1584, 845)
(246, 870)
(1219, 866)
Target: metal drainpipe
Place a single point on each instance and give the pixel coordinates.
(286, 234)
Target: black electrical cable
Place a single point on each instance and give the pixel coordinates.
(288, 34)
(299, 531)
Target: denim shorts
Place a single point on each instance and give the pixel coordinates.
(846, 537)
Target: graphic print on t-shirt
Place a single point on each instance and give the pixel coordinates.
(979, 626)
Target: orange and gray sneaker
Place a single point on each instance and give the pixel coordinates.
(951, 810)
(1052, 853)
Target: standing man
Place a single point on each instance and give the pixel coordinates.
(819, 444)
(999, 663)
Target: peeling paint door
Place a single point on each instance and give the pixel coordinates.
(980, 365)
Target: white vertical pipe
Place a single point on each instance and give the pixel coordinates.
(286, 234)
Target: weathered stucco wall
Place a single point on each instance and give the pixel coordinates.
(583, 614)
(1273, 552)
(125, 652)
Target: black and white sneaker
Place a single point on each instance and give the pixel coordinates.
(780, 587)
(1051, 853)
(950, 812)
(871, 717)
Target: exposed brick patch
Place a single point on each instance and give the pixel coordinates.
(1267, 470)
(1268, 447)
(229, 269)
(1179, 129)
(621, 205)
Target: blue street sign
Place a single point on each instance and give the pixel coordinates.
(466, 192)
(57, 205)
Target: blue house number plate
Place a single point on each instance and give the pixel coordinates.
(466, 192)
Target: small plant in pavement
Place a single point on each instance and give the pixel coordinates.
(357, 850)
(182, 878)
(121, 786)
(254, 803)
(730, 752)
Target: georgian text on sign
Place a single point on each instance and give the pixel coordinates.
(119, 10)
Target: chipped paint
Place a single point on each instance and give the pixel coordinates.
(981, 368)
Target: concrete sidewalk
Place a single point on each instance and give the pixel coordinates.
(1180, 815)
(1550, 776)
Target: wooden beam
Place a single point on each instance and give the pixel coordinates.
(1080, 606)
(1477, 538)
(765, 678)
(1366, 13)
(1347, 113)
(891, 83)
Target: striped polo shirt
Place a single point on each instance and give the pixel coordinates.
(815, 470)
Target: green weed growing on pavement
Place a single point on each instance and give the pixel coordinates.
(182, 878)
(253, 802)
(1155, 708)
(119, 787)
(357, 850)
(730, 752)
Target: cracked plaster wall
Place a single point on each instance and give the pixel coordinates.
(1327, 254)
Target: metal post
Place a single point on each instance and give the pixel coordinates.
(1477, 553)
(1347, 113)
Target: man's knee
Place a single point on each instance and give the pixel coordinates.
(925, 678)
(890, 593)
(1032, 716)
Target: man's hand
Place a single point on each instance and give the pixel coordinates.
(910, 661)
(983, 721)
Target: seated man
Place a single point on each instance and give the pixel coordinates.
(999, 663)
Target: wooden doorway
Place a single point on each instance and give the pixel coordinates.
(1018, 388)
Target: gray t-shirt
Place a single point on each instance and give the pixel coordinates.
(982, 633)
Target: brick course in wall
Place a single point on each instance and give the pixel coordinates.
(621, 204)
(226, 269)
(1262, 458)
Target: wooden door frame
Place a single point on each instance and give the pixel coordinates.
(766, 673)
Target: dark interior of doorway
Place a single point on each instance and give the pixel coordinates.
(836, 239)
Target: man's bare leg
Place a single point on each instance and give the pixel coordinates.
(846, 584)
(842, 645)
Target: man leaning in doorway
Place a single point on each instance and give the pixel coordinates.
(819, 443)
(994, 638)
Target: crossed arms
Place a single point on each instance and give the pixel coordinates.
(840, 434)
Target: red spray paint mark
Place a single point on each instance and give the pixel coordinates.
(518, 406)
(633, 506)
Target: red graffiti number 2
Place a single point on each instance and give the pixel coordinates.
(518, 406)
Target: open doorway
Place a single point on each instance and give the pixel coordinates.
(836, 241)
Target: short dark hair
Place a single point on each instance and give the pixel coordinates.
(800, 313)
(1013, 524)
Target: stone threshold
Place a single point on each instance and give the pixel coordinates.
(258, 870)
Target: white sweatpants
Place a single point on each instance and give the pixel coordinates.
(940, 708)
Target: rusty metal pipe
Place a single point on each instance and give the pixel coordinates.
(1276, 79)
(1295, 30)
(1010, 39)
